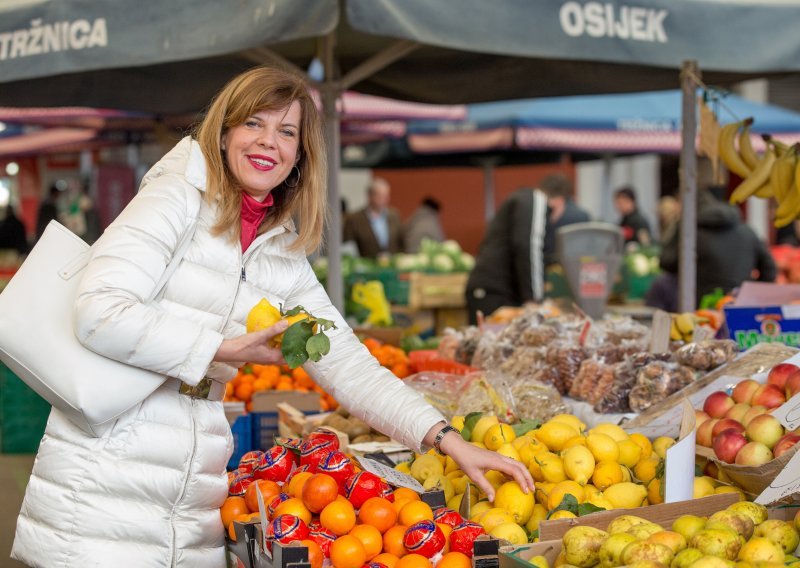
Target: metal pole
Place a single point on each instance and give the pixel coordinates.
(687, 266)
(335, 283)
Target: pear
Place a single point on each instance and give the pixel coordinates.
(675, 541)
(643, 550)
(756, 512)
(646, 564)
(760, 549)
(686, 558)
(710, 561)
(582, 546)
(623, 523)
(643, 531)
(739, 522)
(717, 542)
(611, 551)
(688, 525)
(781, 533)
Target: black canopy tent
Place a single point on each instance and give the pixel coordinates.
(171, 57)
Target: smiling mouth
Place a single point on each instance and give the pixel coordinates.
(261, 163)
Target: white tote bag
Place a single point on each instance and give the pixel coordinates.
(38, 343)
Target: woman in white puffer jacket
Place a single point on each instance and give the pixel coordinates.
(148, 491)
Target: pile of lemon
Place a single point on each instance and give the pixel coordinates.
(604, 466)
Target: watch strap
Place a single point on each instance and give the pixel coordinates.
(437, 441)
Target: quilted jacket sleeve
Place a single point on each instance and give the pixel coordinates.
(111, 317)
(356, 379)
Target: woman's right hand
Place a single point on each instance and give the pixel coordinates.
(253, 347)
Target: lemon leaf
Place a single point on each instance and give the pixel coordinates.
(294, 342)
(469, 424)
(325, 324)
(586, 508)
(568, 503)
(317, 346)
(294, 311)
(525, 426)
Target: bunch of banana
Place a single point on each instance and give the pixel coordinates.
(683, 325)
(775, 174)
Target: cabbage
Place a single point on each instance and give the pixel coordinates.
(467, 261)
(406, 262)
(450, 246)
(443, 263)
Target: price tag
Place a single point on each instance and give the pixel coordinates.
(391, 475)
(785, 484)
(789, 413)
(592, 280)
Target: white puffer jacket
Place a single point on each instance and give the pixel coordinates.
(147, 493)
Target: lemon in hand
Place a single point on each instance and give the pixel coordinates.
(262, 316)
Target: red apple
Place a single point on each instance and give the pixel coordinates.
(711, 469)
(792, 385)
(785, 443)
(700, 417)
(728, 443)
(765, 429)
(769, 396)
(738, 411)
(704, 437)
(753, 453)
(743, 392)
(724, 424)
(717, 404)
(779, 373)
(752, 413)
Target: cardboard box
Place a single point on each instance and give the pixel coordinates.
(437, 290)
(764, 312)
(267, 401)
(389, 335)
(233, 410)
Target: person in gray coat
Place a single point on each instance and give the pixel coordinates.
(423, 224)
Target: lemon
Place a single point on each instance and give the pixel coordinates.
(730, 489)
(654, 492)
(612, 430)
(562, 514)
(602, 446)
(493, 517)
(455, 502)
(578, 464)
(555, 434)
(575, 441)
(403, 467)
(509, 451)
(522, 442)
(459, 483)
(510, 497)
(511, 532)
(482, 426)
(642, 441)
(542, 490)
(450, 465)
(478, 509)
(426, 466)
(561, 490)
(569, 420)
(539, 561)
(629, 453)
(539, 514)
(437, 455)
(262, 316)
(601, 502)
(440, 482)
(498, 435)
(661, 445)
(478, 445)
(606, 474)
(626, 473)
(645, 470)
(625, 495)
(702, 487)
(551, 468)
(591, 491)
(457, 422)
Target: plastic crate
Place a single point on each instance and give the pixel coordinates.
(396, 285)
(23, 415)
(242, 431)
(265, 428)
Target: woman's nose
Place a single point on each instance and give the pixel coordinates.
(267, 137)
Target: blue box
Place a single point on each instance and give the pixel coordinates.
(242, 431)
(770, 324)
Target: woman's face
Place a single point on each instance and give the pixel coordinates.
(261, 152)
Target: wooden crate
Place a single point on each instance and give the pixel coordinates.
(437, 290)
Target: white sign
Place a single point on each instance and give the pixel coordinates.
(391, 475)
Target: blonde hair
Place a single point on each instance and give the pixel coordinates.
(266, 88)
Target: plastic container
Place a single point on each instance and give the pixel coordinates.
(23, 415)
(242, 431)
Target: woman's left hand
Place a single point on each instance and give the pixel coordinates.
(475, 462)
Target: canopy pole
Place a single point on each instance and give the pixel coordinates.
(687, 266)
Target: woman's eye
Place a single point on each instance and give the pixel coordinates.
(288, 132)
(251, 123)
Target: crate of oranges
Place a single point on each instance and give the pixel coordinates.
(390, 356)
(252, 381)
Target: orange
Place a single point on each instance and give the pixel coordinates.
(315, 555)
(347, 552)
(231, 507)
(406, 493)
(269, 373)
(370, 537)
(379, 513)
(268, 489)
(318, 491)
(387, 559)
(241, 518)
(393, 541)
(413, 561)
(293, 506)
(446, 530)
(261, 385)
(338, 517)
(398, 504)
(296, 483)
(244, 391)
(414, 512)
(454, 560)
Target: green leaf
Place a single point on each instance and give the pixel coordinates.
(294, 343)
(568, 503)
(469, 424)
(661, 469)
(533, 535)
(325, 324)
(287, 443)
(294, 311)
(525, 426)
(317, 346)
(247, 370)
(586, 508)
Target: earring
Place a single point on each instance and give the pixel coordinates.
(296, 181)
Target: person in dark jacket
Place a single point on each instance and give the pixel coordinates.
(377, 228)
(635, 227)
(12, 232)
(562, 212)
(728, 253)
(49, 207)
(509, 268)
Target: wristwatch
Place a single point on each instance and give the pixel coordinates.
(437, 441)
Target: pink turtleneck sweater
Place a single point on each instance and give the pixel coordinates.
(253, 213)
